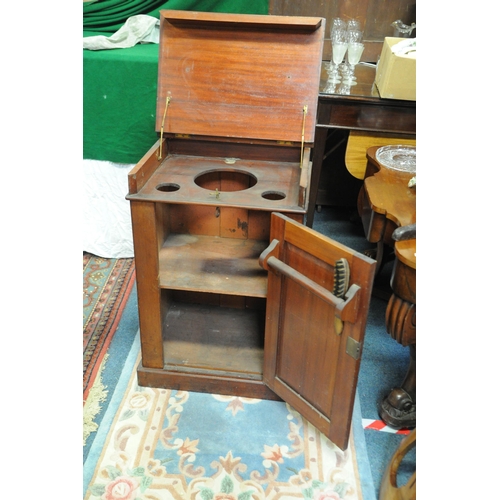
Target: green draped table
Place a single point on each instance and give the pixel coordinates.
(119, 85)
(119, 103)
(119, 108)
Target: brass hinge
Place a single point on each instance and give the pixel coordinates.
(353, 348)
(167, 102)
(304, 111)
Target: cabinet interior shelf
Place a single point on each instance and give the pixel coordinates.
(204, 339)
(213, 264)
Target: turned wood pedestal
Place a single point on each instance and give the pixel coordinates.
(386, 203)
(398, 409)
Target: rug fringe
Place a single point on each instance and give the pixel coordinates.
(92, 407)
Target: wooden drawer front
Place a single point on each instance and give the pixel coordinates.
(349, 115)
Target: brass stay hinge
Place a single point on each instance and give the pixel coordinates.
(169, 97)
(304, 111)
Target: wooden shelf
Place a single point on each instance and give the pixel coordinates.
(203, 339)
(213, 264)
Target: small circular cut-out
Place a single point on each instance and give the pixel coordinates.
(273, 195)
(225, 180)
(168, 187)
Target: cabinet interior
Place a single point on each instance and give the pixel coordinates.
(213, 290)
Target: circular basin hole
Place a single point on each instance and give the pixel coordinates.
(225, 180)
(168, 187)
(273, 195)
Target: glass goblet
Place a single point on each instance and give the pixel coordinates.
(336, 35)
(344, 89)
(338, 25)
(330, 82)
(354, 36)
(353, 24)
(354, 51)
(339, 49)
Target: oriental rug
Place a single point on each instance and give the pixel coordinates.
(160, 444)
(107, 284)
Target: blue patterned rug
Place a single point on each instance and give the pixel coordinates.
(156, 444)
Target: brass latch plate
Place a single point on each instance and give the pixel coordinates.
(353, 348)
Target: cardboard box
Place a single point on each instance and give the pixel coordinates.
(396, 75)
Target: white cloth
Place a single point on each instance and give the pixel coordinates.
(107, 225)
(406, 48)
(137, 29)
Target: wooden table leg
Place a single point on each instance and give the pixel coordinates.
(398, 408)
(387, 206)
(317, 163)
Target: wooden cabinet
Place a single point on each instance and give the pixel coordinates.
(235, 294)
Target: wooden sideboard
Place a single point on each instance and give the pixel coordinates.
(362, 109)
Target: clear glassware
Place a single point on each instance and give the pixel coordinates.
(339, 49)
(338, 25)
(402, 30)
(330, 84)
(354, 52)
(337, 33)
(353, 36)
(337, 36)
(344, 89)
(352, 25)
(398, 157)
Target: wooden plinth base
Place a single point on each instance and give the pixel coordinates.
(213, 384)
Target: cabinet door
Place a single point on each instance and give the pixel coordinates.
(317, 305)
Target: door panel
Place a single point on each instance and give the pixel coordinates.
(314, 338)
(304, 342)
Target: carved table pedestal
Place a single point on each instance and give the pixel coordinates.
(387, 206)
(398, 409)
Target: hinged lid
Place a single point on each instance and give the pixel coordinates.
(239, 76)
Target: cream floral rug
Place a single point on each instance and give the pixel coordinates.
(158, 444)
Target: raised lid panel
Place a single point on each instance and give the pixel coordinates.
(239, 76)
